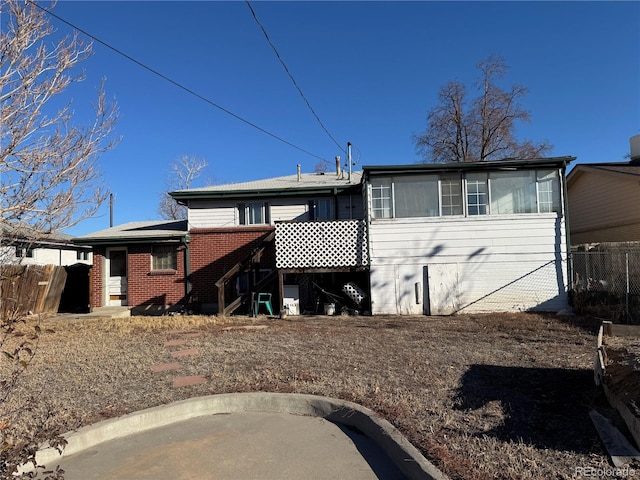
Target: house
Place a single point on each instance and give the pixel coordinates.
(467, 237)
(227, 252)
(27, 246)
(141, 265)
(236, 229)
(604, 200)
(392, 239)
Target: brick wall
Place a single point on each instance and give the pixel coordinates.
(145, 287)
(148, 287)
(96, 295)
(215, 251)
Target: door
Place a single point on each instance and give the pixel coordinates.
(442, 292)
(116, 277)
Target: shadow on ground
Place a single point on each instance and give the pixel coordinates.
(544, 407)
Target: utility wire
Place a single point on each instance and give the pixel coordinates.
(179, 85)
(275, 50)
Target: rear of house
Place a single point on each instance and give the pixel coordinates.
(247, 238)
(142, 265)
(474, 237)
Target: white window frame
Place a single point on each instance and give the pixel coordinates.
(245, 218)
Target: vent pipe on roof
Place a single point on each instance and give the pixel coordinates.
(635, 149)
(299, 174)
(338, 169)
(110, 210)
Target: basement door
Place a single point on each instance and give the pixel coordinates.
(442, 292)
(116, 277)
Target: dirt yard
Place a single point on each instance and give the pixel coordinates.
(483, 397)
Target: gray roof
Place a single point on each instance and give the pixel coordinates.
(308, 183)
(30, 234)
(137, 232)
(624, 170)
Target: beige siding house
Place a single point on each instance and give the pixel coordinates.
(604, 202)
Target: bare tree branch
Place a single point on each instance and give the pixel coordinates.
(482, 129)
(49, 181)
(49, 178)
(184, 171)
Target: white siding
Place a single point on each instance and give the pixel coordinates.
(289, 209)
(223, 213)
(44, 256)
(210, 214)
(494, 263)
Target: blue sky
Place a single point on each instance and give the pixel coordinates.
(371, 71)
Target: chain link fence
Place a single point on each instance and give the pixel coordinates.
(606, 283)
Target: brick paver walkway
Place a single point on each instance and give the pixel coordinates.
(176, 349)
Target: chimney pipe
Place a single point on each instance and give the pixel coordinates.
(299, 174)
(635, 149)
(338, 165)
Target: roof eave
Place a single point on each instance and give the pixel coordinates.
(554, 162)
(262, 193)
(94, 242)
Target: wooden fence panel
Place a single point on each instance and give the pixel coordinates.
(30, 288)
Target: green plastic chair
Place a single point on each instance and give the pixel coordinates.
(264, 299)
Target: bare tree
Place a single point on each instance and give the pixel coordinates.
(184, 171)
(49, 181)
(480, 129)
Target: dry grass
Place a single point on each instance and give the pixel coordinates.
(483, 397)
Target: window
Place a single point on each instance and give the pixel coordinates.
(416, 196)
(451, 194)
(164, 257)
(24, 252)
(253, 213)
(381, 198)
(477, 194)
(513, 192)
(82, 255)
(321, 209)
(548, 191)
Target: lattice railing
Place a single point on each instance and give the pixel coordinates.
(340, 243)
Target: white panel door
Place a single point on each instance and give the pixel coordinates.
(444, 296)
(116, 277)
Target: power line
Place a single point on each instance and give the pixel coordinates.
(177, 84)
(273, 47)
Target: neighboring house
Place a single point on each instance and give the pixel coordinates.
(604, 200)
(467, 237)
(398, 239)
(30, 247)
(140, 264)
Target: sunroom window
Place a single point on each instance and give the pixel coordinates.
(381, 198)
(415, 196)
(473, 194)
(477, 194)
(548, 191)
(513, 192)
(451, 194)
